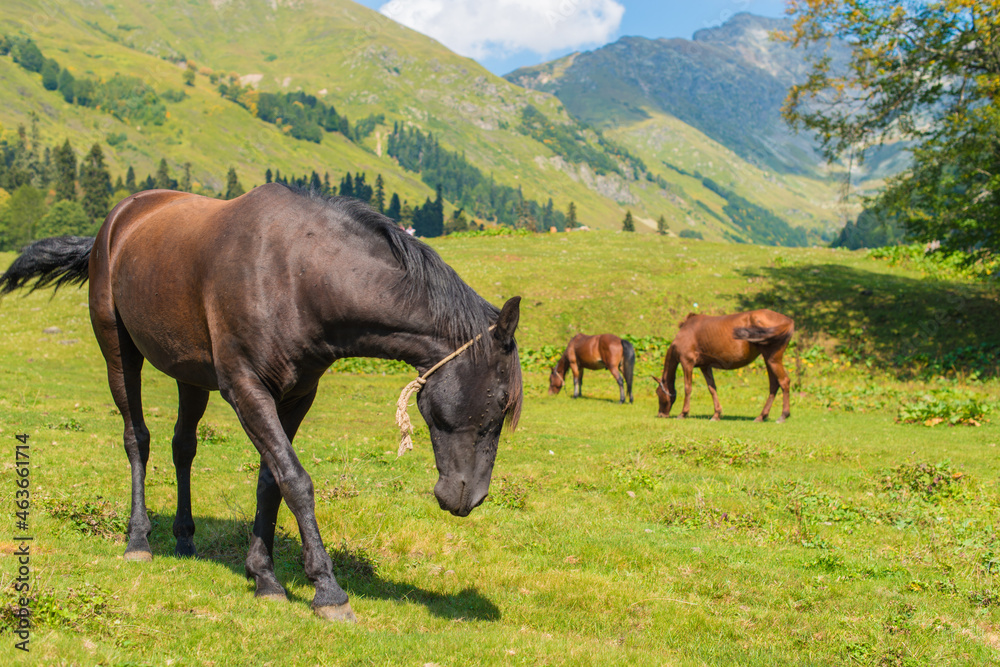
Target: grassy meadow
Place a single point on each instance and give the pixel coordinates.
(610, 537)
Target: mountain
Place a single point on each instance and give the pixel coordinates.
(383, 77)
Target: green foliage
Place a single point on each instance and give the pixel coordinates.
(628, 224)
(944, 406)
(98, 518)
(233, 186)
(95, 182)
(364, 127)
(508, 493)
(661, 225)
(932, 483)
(869, 230)
(19, 217)
(87, 610)
(566, 140)
(124, 97)
(924, 72)
(174, 95)
(938, 263)
(50, 74)
(65, 217)
(690, 234)
(464, 184)
(27, 54)
(760, 224)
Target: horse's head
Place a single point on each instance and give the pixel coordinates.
(665, 397)
(465, 404)
(556, 382)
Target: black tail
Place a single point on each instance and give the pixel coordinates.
(61, 260)
(628, 365)
(758, 334)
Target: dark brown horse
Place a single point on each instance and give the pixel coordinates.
(595, 352)
(726, 342)
(256, 297)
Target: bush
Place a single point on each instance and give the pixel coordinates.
(943, 407)
(64, 217)
(690, 234)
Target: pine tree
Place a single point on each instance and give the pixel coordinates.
(185, 184)
(661, 225)
(347, 186)
(163, 180)
(130, 180)
(379, 194)
(50, 74)
(268, 175)
(628, 225)
(233, 186)
(66, 85)
(95, 182)
(394, 210)
(406, 215)
(571, 221)
(65, 166)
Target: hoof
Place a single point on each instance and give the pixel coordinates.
(185, 552)
(760, 419)
(781, 420)
(341, 612)
(140, 556)
(715, 418)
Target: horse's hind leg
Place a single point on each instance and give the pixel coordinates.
(124, 379)
(260, 556)
(710, 381)
(779, 377)
(191, 403)
(621, 383)
(772, 392)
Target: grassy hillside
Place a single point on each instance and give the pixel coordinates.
(362, 63)
(611, 537)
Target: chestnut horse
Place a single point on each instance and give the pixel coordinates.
(255, 298)
(727, 342)
(595, 352)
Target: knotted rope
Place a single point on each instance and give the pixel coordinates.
(402, 416)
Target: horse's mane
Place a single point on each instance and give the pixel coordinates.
(459, 313)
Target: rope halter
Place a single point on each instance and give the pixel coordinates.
(402, 416)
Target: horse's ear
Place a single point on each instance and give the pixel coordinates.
(507, 322)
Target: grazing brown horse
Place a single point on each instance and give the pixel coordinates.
(727, 342)
(595, 352)
(255, 298)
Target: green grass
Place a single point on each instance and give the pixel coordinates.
(610, 537)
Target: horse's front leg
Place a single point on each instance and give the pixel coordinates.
(688, 381)
(577, 379)
(259, 415)
(260, 555)
(710, 381)
(191, 404)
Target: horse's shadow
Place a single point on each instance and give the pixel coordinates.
(891, 320)
(225, 541)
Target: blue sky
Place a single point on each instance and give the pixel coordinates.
(506, 34)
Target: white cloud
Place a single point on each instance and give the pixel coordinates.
(498, 28)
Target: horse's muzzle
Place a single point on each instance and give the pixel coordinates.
(457, 497)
